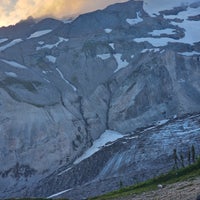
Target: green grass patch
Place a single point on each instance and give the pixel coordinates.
(186, 173)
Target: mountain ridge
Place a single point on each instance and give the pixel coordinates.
(63, 85)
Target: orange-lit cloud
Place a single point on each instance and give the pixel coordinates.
(12, 11)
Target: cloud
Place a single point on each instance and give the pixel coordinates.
(12, 11)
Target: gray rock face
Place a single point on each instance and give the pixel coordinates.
(132, 159)
(63, 85)
(153, 90)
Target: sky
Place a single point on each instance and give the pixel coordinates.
(12, 11)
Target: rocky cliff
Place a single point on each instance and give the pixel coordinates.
(62, 85)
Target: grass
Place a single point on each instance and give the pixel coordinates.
(186, 173)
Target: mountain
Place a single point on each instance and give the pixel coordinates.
(104, 98)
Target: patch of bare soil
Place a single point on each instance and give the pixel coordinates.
(186, 190)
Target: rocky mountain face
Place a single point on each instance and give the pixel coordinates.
(129, 160)
(62, 85)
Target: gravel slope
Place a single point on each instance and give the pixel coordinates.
(186, 190)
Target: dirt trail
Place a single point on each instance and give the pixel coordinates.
(187, 190)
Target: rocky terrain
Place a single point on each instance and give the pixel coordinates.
(62, 85)
(132, 159)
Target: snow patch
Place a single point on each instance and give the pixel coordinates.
(120, 63)
(190, 27)
(108, 30)
(68, 21)
(191, 31)
(184, 15)
(189, 53)
(11, 74)
(44, 72)
(162, 51)
(156, 42)
(39, 33)
(10, 44)
(59, 193)
(104, 56)
(134, 20)
(107, 136)
(153, 7)
(14, 64)
(132, 137)
(167, 31)
(66, 170)
(175, 117)
(112, 45)
(3, 40)
(61, 39)
(150, 50)
(51, 58)
(47, 80)
(41, 42)
(145, 50)
(51, 46)
(61, 75)
(187, 132)
(47, 46)
(162, 122)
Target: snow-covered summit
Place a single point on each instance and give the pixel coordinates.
(153, 7)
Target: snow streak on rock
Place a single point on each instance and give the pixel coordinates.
(104, 56)
(10, 44)
(59, 193)
(14, 64)
(107, 136)
(51, 58)
(39, 33)
(51, 46)
(62, 76)
(120, 63)
(3, 40)
(134, 21)
(108, 30)
(11, 74)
